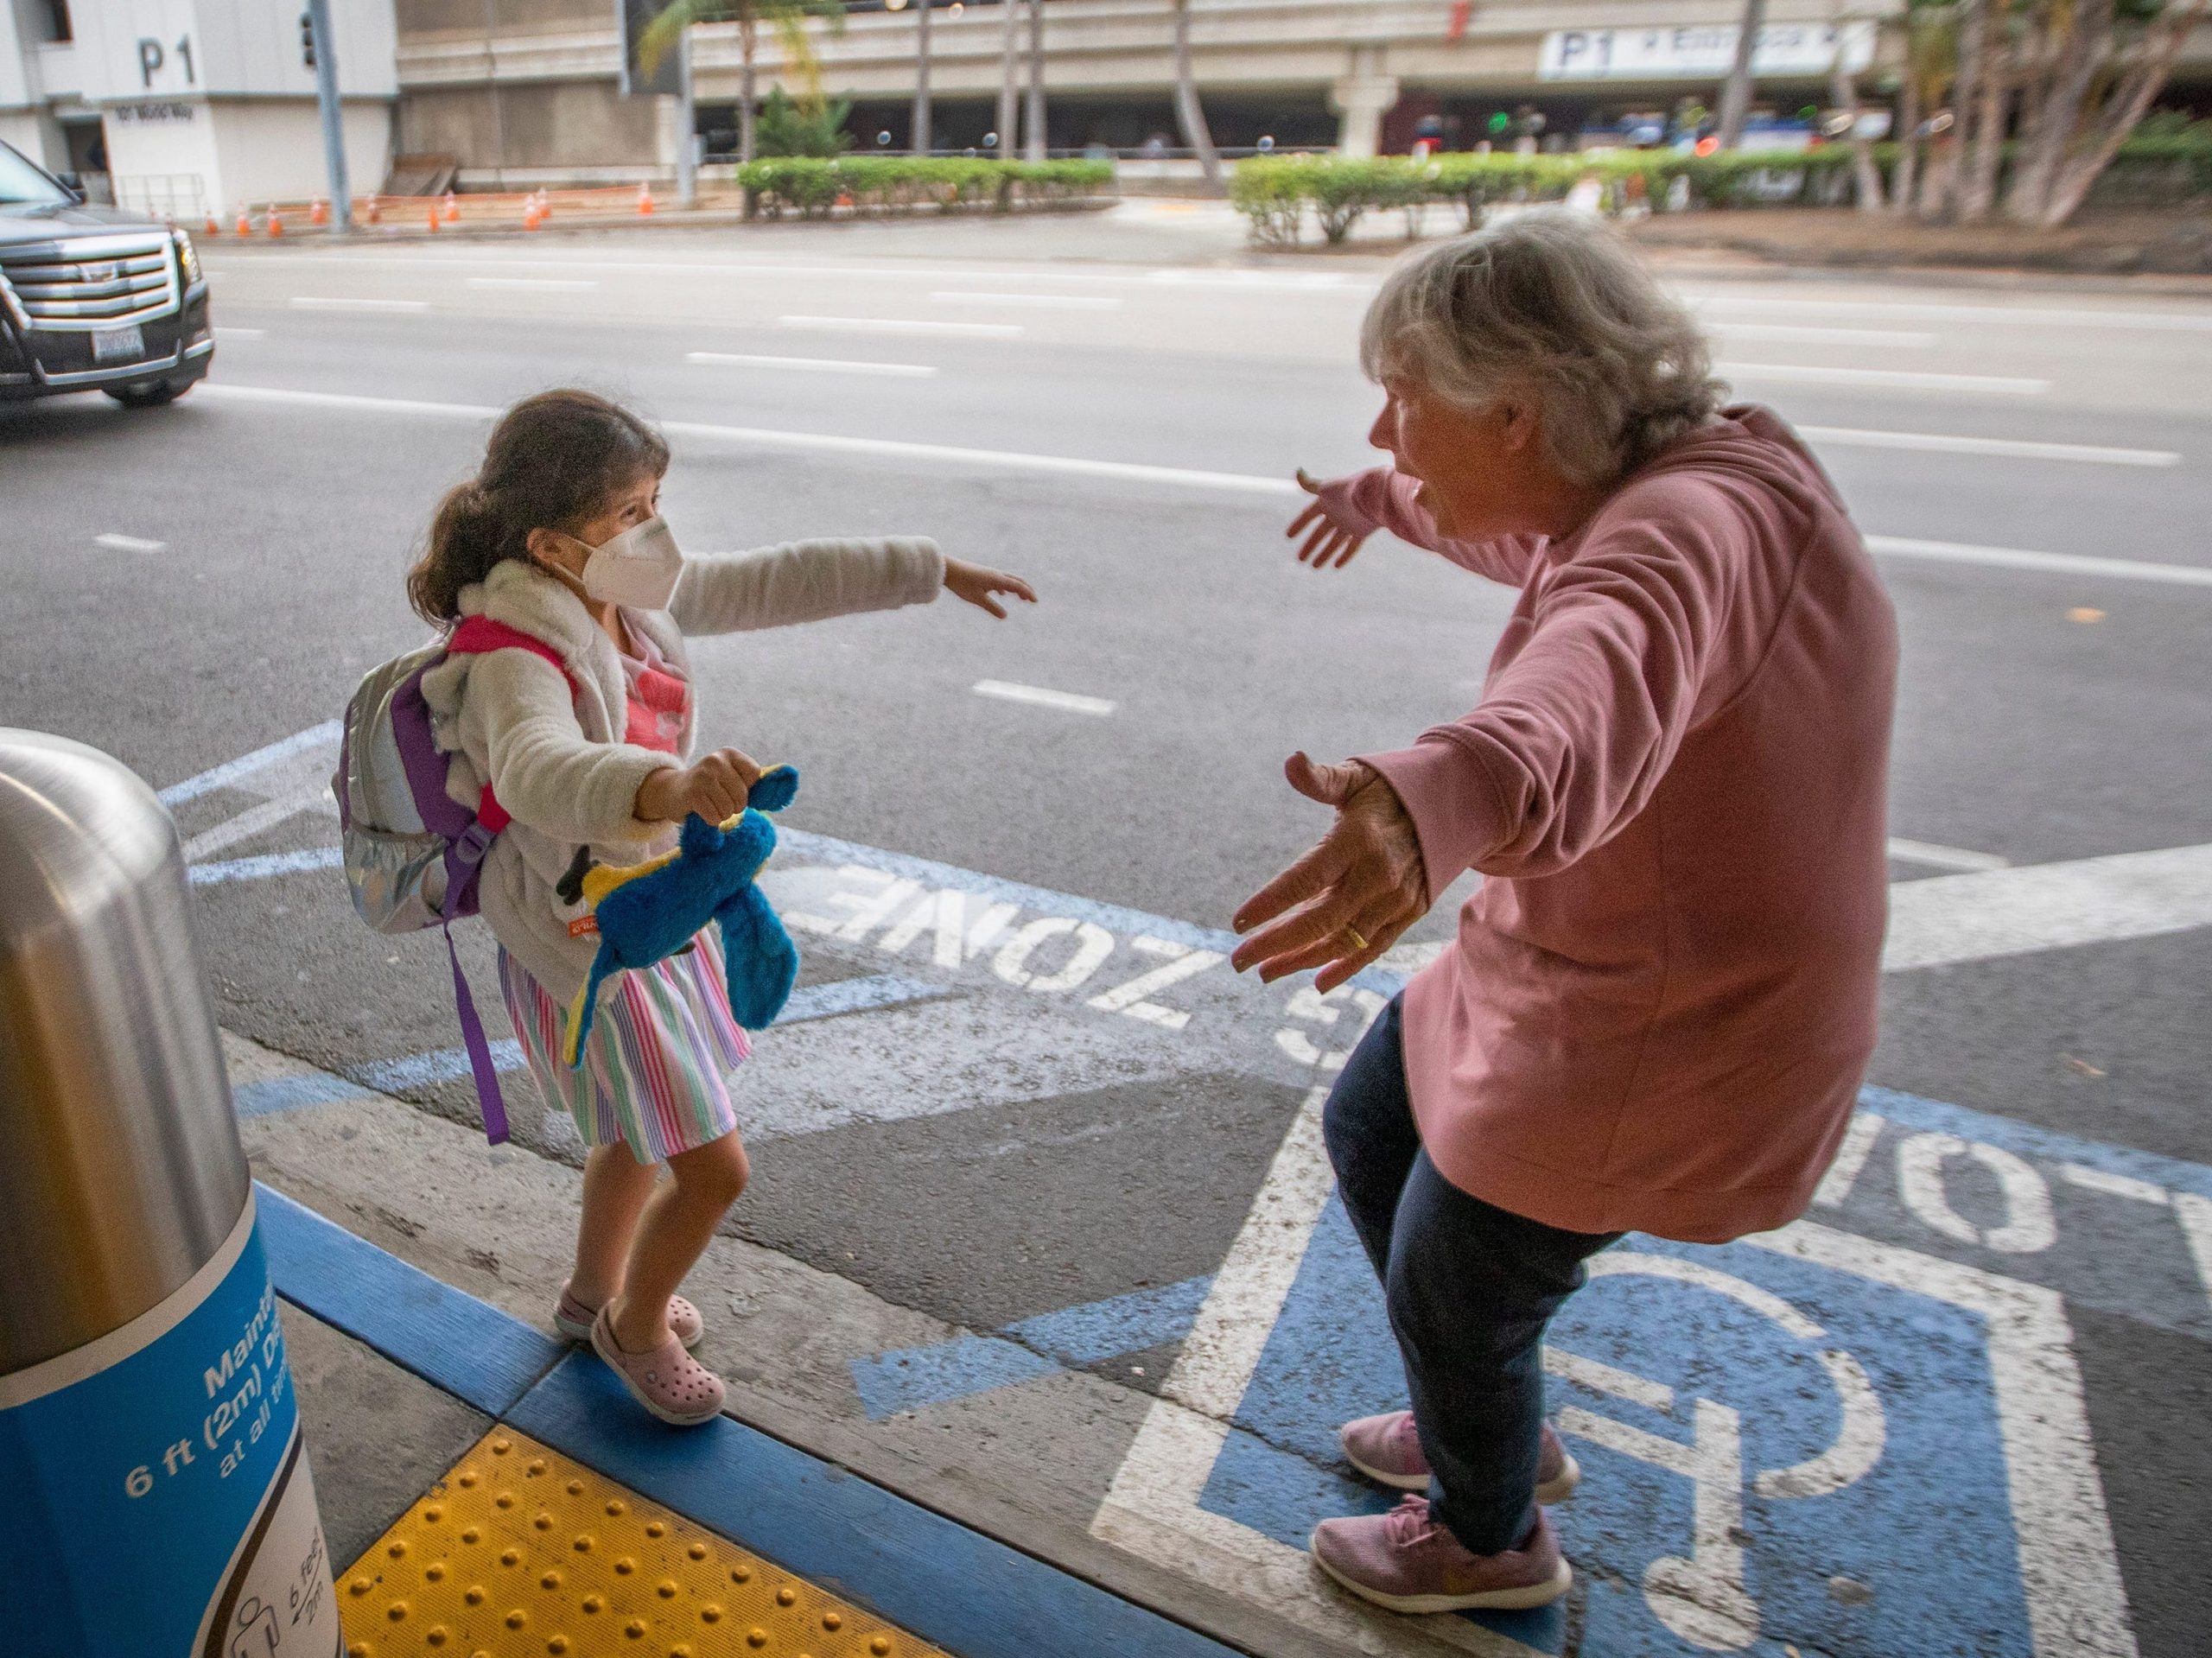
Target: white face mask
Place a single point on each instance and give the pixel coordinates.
(638, 568)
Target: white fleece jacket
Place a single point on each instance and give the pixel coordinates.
(557, 762)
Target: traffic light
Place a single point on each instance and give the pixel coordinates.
(307, 39)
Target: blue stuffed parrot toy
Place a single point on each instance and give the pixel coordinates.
(648, 912)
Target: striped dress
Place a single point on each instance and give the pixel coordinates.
(654, 1068)
(654, 1063)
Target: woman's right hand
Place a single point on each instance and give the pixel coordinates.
(714, 786)
(1338, 530)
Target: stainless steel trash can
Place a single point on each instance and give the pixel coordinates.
(155, 1499)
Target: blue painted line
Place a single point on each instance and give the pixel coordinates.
(910, 1378)
(930, 1575)
(274, 1094)
(1121, 1324)
(428, 1070)
(260, 869)
(450, 1339)
(823, 848)
(2025, 1139)
(247, 764)
(855, 996)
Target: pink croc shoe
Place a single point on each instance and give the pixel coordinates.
(1387, 1449)
(573, 1319)
(1405, 1562)
(668, 1382)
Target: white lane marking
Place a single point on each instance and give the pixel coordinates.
(301, 302)
(1858, 1138)
(1944, 857)
(1821, 336)
(2025, 316)
(900, 325)
(1138, 472)
(2002, 912)
(253, 821)
(568, 284)
(1903, 378)
(2114, 1185)
(226, 331)
(245, 765)
(1072, 701)
(2019, 558)
(122, 543)
(1039, 302)
(2012, 447)
(2195, 1213)
(813, 364)
(2030, 1227)
(2069, 1567)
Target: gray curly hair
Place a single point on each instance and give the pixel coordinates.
(1554, 300)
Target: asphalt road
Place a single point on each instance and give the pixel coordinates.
(2046, 715)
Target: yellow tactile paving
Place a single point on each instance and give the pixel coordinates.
(518, 1551)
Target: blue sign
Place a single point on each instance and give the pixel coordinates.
(157, 1501)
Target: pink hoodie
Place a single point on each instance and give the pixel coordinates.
(1662, 997)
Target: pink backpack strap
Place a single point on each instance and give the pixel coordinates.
(474, 636)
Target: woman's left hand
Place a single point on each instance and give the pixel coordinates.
(980, 587)
(1361, 887)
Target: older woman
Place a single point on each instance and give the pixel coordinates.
(1662, 996)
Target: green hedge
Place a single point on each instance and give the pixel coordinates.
(811, 187)
(1277, 193)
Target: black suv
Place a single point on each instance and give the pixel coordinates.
(94, 298)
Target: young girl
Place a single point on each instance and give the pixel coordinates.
(559, 537)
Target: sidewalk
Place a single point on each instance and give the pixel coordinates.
(495, 1492)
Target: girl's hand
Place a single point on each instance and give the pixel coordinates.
(1337, 534)
(715, 787)
(979, 586)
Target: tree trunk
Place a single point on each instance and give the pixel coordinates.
(1736, 95)
(1908, 138)
(1189, 112)
(921, 135)
(2127, 105)
(1010, 82)
(2082, 50)
(748, 113)
(1947, 167)
(1978, 192)
(1843, 88)
(1035, 118)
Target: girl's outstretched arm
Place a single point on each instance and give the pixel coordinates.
(806, 581)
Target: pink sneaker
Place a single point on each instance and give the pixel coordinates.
(1387, 1450)
(573, 1319)
(668, 1382)
(1407, 1562)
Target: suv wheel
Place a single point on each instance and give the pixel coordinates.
(148, 394)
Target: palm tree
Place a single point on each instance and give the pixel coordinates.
(1189, 112)
(787, 19)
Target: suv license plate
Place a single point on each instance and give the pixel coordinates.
(119, 345)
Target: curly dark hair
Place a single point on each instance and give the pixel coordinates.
(553, 462)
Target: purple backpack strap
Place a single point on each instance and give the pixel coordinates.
(480, 1050)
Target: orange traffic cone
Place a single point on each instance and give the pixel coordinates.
(434, 219)
(644, 201)
(530, 218)
(275, 223)
(212, 228)
(453, 208)
(318, 212)
(245, 222)
(375, 214)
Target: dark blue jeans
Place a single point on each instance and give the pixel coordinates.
(1470, 1288)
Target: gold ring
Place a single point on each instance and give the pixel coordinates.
(1357, 942)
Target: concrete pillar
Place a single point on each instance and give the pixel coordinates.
(1362, 98)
